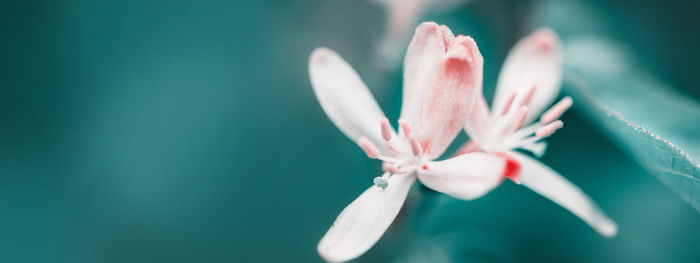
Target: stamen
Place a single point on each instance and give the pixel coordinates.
(370, 149)
(391, 147)
(519, 119)
(415, 146)
(405, 127)
(528, 96)
(536, 148)
(548, 129)
(501, 125)
(390, 168)
(527, 130)
(517, 141)
(386, 129)
(557, 110)
(509, 101)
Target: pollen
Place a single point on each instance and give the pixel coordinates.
(381, 182)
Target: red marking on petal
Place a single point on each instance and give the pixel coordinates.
(511, 169)
(425, 167)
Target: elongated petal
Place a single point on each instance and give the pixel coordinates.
(428, 45)
(550, 184)
(533, 61)
(468, 176)
(365, 220)
(477, 122)
(345, 98)
(449, 97)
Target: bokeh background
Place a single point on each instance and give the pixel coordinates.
(187, 131)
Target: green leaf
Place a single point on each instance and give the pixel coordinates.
(650, 120)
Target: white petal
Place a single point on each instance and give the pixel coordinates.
(533, 61)
(477, 122)
(449, 96)
(550, 184)
(345, 98)
(427, 46)
(365, 220)
(468, 176)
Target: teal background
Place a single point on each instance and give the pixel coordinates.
(182, 131)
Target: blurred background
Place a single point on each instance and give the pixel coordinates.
(187, 131)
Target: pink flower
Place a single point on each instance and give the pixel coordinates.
(442, 79)
(529, 81)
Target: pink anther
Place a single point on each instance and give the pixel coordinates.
(519, 119)
(557, 110)
(528, 96)
(391, 148)
(509, 101)
(405, 127)
(548, 129)
(386, 129)
(369, 148)
(415, 146)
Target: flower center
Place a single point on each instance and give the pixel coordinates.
(506, 132)
(405, 156)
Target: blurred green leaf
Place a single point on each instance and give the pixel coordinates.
(652, 122)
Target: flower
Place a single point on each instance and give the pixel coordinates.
(442, 75)
(528, 82)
